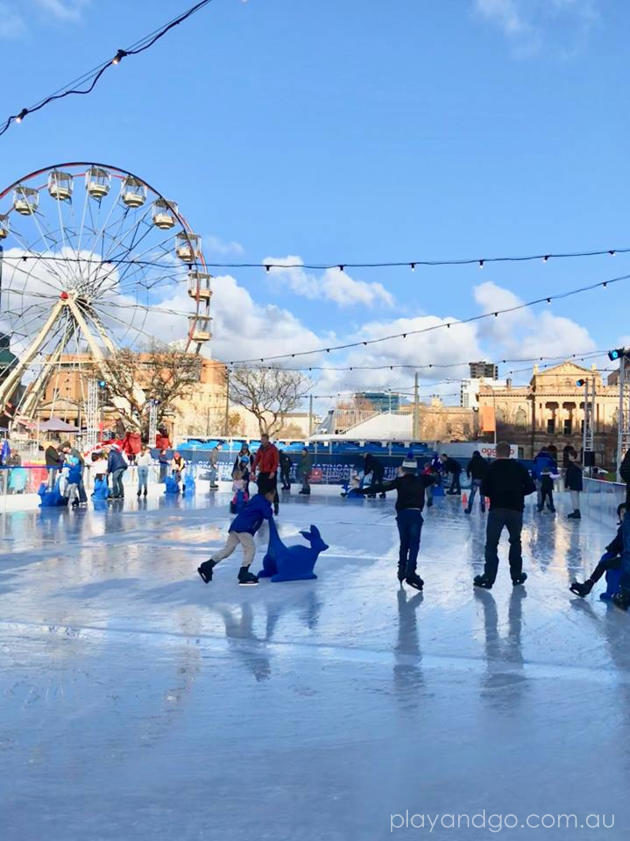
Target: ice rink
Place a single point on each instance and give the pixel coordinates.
(139, 703)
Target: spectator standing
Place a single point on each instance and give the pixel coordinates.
(164, 462)
(573, 482)
(506, 484)
(144, 460)
(285, 470)
(476, 472)
(266, 462)
(450, 465)
(54, 463)
(116, 466)
(69, 450)
(244, 463)
(214, 467)
(305, 466)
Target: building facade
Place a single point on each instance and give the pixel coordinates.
(550, 410)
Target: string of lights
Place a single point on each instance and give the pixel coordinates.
(322, 266)
(579, 356)
(93, 77)
(442, 326)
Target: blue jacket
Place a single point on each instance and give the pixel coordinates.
(74, 474)
(115, 461)
(544, 464)
(251, 517)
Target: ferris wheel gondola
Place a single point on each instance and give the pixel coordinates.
(93, 259)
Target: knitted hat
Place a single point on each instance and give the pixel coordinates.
(410, 464)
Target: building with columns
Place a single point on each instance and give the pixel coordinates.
(550, 410)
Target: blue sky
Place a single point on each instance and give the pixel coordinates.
(358, 130)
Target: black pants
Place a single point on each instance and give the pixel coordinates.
(546, 493)
(409, 522)
(455, 484)
(607, 561)
(285, 476)
(269, 482)
(498, 518)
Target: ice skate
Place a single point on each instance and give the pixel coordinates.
(581, 590)
(245, 577)
(414, 580)
(520, 579)
(205, 570)
(576, 515)
(483, 582)
(621, 600)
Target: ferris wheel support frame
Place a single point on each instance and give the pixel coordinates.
(12, 381)
(38, 387)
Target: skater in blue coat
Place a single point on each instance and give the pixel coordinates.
(244, 527)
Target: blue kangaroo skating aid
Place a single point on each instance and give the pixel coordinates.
(101, 490)
(171, 485)
(291, 563)
(51, 498)
(613, 580)
(190, 487)
(438, 490)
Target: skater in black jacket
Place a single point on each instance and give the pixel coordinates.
(476, 472)
(409, 504)
(506, 484)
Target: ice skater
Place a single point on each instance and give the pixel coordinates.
(244, 527)
(611, 559)
(573, 482)
(450, 465)
(410, 489)
(506, 485)
(476, 471)
(545, 471)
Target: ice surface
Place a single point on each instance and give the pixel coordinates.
(138, 703)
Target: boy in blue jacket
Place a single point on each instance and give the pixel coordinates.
(611, 559)
(244, 527)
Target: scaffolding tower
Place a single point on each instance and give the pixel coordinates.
(153, 416)
(623, 429)
(92, 414)
(589, 421)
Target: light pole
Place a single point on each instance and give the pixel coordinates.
(623, 420)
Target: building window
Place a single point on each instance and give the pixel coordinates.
(551, 426)
(568, 426)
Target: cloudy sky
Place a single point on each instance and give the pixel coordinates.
(358, 131)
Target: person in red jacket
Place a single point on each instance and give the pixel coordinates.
(266, 463)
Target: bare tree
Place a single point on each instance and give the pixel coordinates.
(134, 379)
(268, 395)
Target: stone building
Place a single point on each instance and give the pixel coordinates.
(550, 410)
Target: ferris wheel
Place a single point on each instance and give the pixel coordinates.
(92, 259)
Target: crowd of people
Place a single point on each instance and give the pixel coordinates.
(502, 485)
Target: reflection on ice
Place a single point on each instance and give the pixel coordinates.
(139, 703)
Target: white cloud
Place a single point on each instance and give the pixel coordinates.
(215, 245)
(505, 13)
(14, 14)
(529, 24)
(63, 9)
(528, 332)
(332, 284)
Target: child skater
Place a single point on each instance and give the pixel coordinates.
(409, 504)
(611, 559)
(244, 527)
(241, 495)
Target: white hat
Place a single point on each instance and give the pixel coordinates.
(410, 464)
